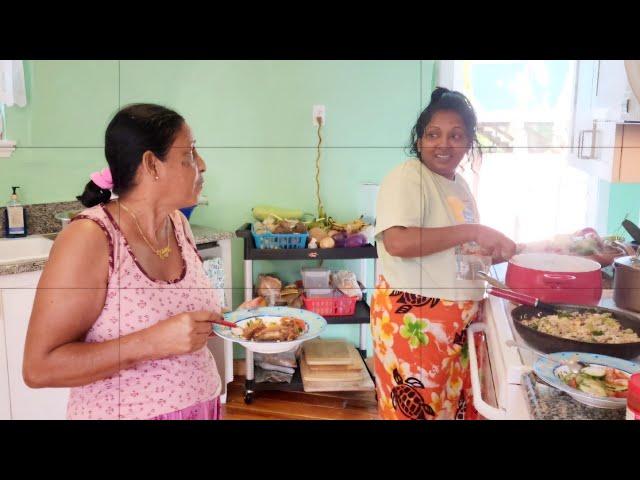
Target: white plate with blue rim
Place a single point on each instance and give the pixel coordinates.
(314, 326)
(552, 374)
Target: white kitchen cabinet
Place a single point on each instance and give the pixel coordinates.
(18, 293)
(610, 91)
(602, 103)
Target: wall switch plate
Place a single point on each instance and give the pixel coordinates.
(318, 111)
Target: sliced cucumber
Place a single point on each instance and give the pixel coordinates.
(595, 372)
(592, 387)
(616, 388)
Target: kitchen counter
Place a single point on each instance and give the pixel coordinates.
(548, 403)
(203, 236)
(207, 234)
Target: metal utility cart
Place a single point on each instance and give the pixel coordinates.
(360, 316)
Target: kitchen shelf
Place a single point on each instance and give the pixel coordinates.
(360, 316)
(252, 253)
(296, 384)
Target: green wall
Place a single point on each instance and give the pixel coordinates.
(624, 202)
(252, 122)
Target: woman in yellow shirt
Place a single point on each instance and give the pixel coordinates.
(430, 242)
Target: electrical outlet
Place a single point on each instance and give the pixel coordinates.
(318, 111)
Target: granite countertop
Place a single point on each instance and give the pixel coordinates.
(208, 234)
(201, 234)
(549, 403)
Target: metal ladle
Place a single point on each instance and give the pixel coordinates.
(573, 365)
(492, 281)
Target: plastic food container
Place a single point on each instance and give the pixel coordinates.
(633, 398)
(316, 279)
(319, 292)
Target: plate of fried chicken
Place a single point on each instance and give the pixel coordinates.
(271, 329)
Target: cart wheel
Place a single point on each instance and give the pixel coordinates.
(248, 398)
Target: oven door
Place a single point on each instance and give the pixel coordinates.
(496, 369)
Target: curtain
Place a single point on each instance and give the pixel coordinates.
(12, 88)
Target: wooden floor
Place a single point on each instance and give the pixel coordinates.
(280, 405)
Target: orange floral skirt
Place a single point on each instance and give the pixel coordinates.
(421, 359)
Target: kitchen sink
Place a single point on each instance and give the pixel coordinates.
(19, 250)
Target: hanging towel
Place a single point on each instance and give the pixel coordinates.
(214, 269)
(12, 88)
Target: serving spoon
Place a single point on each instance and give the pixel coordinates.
(573, 365)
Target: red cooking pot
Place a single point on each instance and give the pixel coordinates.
(555, 278)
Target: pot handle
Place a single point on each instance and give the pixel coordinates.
(627, 249)
(557, 278)
(516, 297)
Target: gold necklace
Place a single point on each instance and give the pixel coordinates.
(163, 253)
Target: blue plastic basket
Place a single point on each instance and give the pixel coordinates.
(279, 240)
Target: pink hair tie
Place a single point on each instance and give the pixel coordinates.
(103, 178)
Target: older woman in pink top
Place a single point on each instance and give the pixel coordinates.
(123, 310)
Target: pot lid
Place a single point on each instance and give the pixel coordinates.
(554, 262)
(629, 262)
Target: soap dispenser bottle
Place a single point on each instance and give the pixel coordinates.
(15, 217)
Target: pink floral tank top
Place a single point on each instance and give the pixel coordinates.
(134, 302)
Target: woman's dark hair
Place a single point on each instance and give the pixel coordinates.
(133, 130)
(445, 99)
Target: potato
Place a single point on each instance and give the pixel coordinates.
(327, 242)
(317, 233)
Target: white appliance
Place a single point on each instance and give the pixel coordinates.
(505, 367)
(222, 349)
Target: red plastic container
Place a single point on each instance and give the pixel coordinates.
(336, 305)
(633, 397)
(556, 278)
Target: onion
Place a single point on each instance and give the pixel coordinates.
(357, 240)
(340, 238)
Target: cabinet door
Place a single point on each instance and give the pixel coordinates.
(610, 86)
(583, 118)
(630, 156)
(605, 148)
(26, 403)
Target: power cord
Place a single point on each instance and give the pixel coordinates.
(321, 212)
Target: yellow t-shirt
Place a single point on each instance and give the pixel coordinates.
(411, 195)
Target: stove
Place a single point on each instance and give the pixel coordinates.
(506, 365)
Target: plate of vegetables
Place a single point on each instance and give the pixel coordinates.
(602, 382)
(271, 329)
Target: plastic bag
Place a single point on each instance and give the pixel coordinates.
(276, 368)
(271, 376)
(471, 259)
(347, 283)
(284, 359)
(269, 288)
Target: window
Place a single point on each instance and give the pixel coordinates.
(525, 186)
